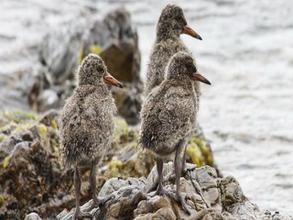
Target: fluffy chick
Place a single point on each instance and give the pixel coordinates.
(168, 117)
(86, 123)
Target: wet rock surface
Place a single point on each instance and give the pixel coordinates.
(32, 177)
(222, 198)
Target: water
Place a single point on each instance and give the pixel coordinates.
(246, 53)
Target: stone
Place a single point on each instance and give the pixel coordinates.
(33, 178)
(114, 38)
(32, 216)
(131, 201)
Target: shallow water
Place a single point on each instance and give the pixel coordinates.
(246, 53)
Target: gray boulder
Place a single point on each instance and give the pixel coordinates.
(114, 38)
(209, 196)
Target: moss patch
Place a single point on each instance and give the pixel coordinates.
(96, 49)
(199, 151)
(5, 162)
(19, 116)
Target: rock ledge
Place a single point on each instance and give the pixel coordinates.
(210, 196)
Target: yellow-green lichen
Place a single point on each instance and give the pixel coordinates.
(54, 124)
(55, 146)
(195, 154)
(42, 130)
(198, 151)
(21, 127)
(3, 121)
(2, 137)
(96, 49)
(2, 199)
(5, 162)
(19, 116)
(93, 48)
(44, 137)
(16, 122)
(206, 151)
(114, 167)
(14, 128)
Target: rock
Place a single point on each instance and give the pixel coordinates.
(14, 130)
(32, 216)
(59, 51)
(131, 201)
(117, 40)
(114, 38)
(198, 149)
(235, 202)
(31, 173)
(50, 118)
(32, 177)
(128, 101)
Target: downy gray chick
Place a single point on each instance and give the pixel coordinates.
(171, 25)
(168, 117)
(86, 123)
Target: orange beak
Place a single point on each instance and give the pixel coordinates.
(198, 77)
(110, 80)
(188, 30)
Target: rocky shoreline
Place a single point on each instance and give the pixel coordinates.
(34, 181)
(31, 171)
(210, 196)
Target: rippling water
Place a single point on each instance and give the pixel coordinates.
(246, 52)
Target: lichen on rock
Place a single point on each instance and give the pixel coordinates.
(30, 164)
(216, 198)
(198, 149)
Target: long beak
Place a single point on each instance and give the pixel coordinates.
(188, 30)
(198, 77)
(110, 80)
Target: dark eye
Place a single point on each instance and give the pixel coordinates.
(100, 69)
(192, 68)
(184, 22)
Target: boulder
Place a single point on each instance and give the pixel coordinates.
(114, 38)
(32, 176)
(209, 196)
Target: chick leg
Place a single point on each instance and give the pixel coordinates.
(93, 184)
(160, 188)
(183, 161)
(77, 184)
(160, 175)
(92, 179)
(157, 184)
(178, 172)
(195, 185)
(172, 176)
